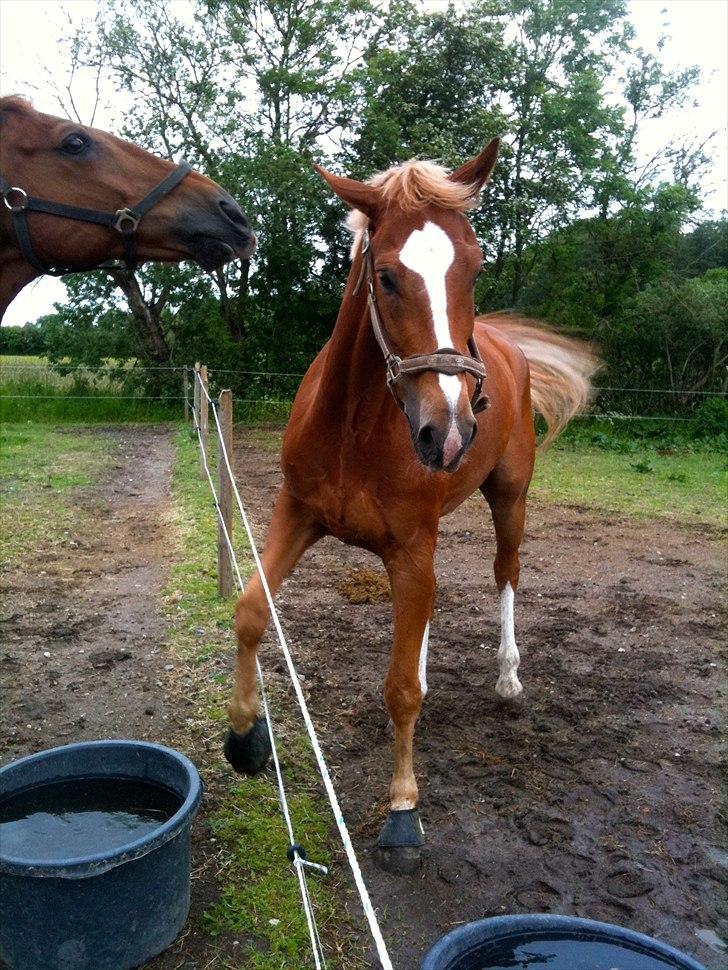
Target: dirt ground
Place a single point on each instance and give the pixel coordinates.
(599, 795)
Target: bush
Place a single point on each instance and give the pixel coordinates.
(711, 419)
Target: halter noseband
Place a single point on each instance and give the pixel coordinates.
(445, 360)
(124, 221)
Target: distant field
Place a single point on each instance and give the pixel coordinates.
(31, 389)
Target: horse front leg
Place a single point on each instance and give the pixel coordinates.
(412, 579)
(291, 532)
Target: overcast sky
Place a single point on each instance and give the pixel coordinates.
(30, 56)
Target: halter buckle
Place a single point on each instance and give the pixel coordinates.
(393, 368)
(125, 221)
(18, 206)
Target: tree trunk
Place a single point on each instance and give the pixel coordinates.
(145, 316)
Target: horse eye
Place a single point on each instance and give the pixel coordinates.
(386, 280)
(75, 144)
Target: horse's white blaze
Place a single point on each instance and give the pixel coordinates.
(429, 252)
(422, 669)
(508, 684)
(450, 384)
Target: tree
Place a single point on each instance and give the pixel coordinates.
(251, 94)
(674, 335)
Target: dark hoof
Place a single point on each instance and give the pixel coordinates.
(399, 860)
(248, 753)
(399, 846)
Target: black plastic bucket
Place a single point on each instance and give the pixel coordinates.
(111, 910)
(543, 940)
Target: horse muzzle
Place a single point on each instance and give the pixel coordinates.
(218, 234)
(442, 448)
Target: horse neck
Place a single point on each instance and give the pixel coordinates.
(15, 273)
(354, 367)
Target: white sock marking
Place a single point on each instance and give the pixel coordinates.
(508, 684)
(422, 670)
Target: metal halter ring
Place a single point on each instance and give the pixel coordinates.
(19, 206)
(125, 220)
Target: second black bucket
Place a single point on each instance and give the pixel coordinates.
(105, 910)
(551, 941)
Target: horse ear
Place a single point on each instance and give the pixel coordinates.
(478, 170)
(358, 195)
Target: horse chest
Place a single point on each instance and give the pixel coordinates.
(341, 496)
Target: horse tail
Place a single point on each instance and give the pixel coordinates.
(561, 369)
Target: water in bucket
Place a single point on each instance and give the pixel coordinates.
(83, 817)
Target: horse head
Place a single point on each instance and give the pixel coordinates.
(420, 260)
(60, 164)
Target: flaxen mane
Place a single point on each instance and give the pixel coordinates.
(414, 185)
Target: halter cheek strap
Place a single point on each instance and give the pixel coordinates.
(445, 360)
(123, 221)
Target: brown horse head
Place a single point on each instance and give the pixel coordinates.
(424, 261)
(64, 162)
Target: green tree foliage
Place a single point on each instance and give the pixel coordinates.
(575, 228)
(673, 334)
(22, 341)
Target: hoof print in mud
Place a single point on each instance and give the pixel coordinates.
(399, 846)
(248, 753)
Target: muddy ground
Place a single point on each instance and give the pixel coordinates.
(599, 795)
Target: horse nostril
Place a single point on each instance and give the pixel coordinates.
(235, 214)
(429, 445)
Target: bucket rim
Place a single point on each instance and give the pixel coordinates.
(80, 867)
(443, 951)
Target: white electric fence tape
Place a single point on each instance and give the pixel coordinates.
(317, 949)
(369, 913)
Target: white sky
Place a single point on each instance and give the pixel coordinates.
(30, 56)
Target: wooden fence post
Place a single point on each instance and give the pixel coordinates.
(225, 583)
(186, 392)
(204, 417)
(196, 396)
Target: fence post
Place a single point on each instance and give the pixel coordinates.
(225, 496)
(196, 395)
(186, 392)
(204, 417)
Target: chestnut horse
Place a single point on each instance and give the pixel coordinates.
(376, 450)
(74, 197)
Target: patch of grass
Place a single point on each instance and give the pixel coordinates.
(685, 486)
(259, 901)
(262, 906)
(31, 389)
(40, 465)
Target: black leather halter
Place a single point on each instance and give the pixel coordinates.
(445, 360)
(124, 221)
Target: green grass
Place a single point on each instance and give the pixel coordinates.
(259, 900)
(32, 390)
(641, 481)
(40, 466)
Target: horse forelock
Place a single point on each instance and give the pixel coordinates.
(411, 186)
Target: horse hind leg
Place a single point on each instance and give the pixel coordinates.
(507, 502)
(291, 532)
